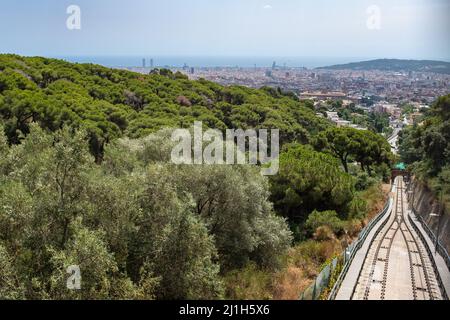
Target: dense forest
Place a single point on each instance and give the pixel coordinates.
(426, 147)
(85, 179)
(111, 103)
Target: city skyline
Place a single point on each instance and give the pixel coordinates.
(256, 28)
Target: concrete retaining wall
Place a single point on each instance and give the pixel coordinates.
(424, 204)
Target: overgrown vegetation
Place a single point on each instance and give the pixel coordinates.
(85, 179)
(426, 147)
(134, 224)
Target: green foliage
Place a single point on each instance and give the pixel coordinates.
(85, 180)
(134, 224)
(428, 144)
(307, 181)
(233, 202)
(248, 283)
(314, 253)
(325, 218)
(365, 147)
(409, 142)
(363, 181)
(10, 285)
(86, 249)
(357, 208)
(379, 121)
(110, 103)
(426, 148)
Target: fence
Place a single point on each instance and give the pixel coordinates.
(439, 248)
(322, 282)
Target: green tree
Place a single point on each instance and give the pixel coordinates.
(428, 144)
(310, 180)
(325, 218)
(87, 250)
(11, 287)
(233, 203)
(364, 146)
(341, 142)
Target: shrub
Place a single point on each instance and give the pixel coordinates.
(248, 283)
(327, 218)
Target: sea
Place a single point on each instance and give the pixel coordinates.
(211, 61)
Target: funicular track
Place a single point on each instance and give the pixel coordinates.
(397, 265)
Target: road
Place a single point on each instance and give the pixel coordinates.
(393, 140)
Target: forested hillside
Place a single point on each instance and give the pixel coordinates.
(112, 103)
(426, 147)
(85, 179)
(396, 65)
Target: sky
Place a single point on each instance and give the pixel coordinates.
(414, 29)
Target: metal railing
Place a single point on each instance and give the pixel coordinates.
(354, 247)
(440, 248)
(430, 254)
(323, 279)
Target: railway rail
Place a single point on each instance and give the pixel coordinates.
(397, 265)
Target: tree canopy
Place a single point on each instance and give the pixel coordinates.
(138, 232)
(110, 103)
(309, 180)
(427, 145)
(363, 146)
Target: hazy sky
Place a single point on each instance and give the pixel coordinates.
(326, 28)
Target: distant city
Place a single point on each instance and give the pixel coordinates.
(211, 61)
(384, 89)
(366, 87)
(381, 86)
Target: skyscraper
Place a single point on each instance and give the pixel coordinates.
(151, 63)
(143, 63)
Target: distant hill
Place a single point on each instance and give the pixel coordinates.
(395, 65)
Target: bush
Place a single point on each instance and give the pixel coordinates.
(327, 218)
(309, 180)
(311, 255)
(364, 181)
(358, 208)
(248, 283)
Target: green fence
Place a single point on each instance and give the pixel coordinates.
(322, 281)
